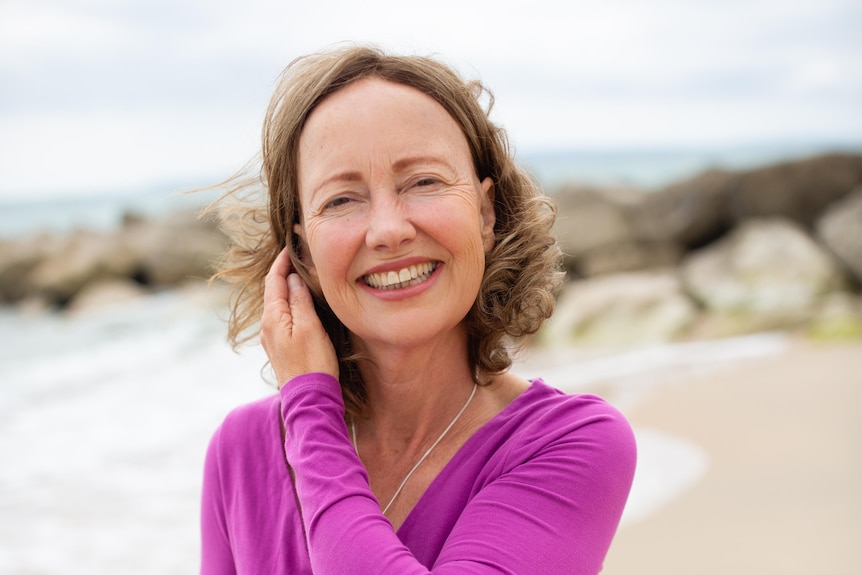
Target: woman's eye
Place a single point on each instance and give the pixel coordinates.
(339, 201)
(426, 182)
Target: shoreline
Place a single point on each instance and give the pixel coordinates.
(783, 437)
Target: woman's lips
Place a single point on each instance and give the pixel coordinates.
(405, 277)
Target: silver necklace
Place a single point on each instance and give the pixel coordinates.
(427, 453)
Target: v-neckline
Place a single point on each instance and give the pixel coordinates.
(462, 452)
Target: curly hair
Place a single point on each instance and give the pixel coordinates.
(522, 272)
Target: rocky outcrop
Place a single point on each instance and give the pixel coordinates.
(777, 247)
(609, 231)
(719, 254)
(150, 253)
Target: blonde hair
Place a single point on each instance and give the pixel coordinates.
(522, 272)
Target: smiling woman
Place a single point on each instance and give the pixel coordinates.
(410, 197)
(399, 258)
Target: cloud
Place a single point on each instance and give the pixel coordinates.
(183, 85)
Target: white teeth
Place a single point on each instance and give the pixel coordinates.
(408, 276)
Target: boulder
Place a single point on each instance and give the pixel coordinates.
(769, 266)
(590, 220)
(798, 190)
(840, 230)
(170, 251)
(18, 258)
(690, 213)
(103, 294)
(623, 309)
(82, 258)
(628, 257)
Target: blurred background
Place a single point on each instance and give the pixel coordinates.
(706, 157)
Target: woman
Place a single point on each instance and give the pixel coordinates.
(400, 255)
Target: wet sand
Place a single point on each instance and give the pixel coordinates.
(783, 490)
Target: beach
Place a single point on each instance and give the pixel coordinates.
(781, 493)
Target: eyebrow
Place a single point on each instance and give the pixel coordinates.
(399, 166)
(404, 163)
(348, 176)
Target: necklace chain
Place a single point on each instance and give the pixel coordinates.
(427, 453)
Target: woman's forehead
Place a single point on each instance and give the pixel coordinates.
(375, 120)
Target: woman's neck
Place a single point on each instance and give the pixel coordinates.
(412, 392)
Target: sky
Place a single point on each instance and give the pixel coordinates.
(117, 95)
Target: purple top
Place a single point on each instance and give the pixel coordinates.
(540, 488)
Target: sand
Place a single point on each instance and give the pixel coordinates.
(783, 490)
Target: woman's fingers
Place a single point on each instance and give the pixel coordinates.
(275, 287)
(299, 299)
(291, 333)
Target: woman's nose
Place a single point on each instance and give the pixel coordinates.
(389, 226)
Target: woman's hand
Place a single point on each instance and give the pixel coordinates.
(291, 332)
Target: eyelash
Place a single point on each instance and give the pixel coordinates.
(336, 202)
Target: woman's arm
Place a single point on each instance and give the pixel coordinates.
(554, 513)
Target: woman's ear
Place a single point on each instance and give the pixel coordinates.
(489, 215)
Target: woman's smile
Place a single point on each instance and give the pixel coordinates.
(405, 277)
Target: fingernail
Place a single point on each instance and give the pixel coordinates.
(294, 281)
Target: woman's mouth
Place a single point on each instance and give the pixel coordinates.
(406, 277)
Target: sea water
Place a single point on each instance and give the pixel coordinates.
(105, 417)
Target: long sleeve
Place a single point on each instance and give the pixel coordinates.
(551, 505)
(250, 523)
(216, 556)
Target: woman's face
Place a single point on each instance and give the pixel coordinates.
(395, 222)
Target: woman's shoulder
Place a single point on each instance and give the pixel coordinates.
(541, 400)
(544, 415)
(249, 424)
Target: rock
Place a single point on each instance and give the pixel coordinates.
(770, 266)
(18, 259)
(690, 213)
(797, 190)
(594, 228)
(170, 251)
(623, 309)
(840, 229)
(82, 258)
(103, 294)
(628, 257)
